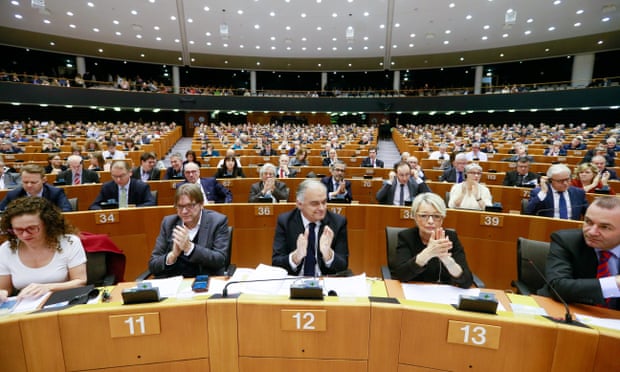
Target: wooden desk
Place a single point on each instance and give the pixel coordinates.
(272, 333)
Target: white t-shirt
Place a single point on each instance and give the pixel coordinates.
(56, 271)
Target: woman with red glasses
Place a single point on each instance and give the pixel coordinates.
(42, 254)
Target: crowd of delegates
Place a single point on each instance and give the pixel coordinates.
(310, 240)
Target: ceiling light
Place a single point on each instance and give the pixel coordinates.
(100, 50)
(557, 2)
(446, 42)
(527, 32)
(530, 20)
(95, 29)
(468, 17)
(580, 11)
(206, 8)
(256, 27)
(486, 27)
(350, 34)
(510, 17)
(118, 33)
(577, 24)
(451, 5)
(605, 19)
(115, 22)
(552, 28)
(224, 31)
(72, 25)
(134, 12)
(240, 12)
(366, 14)
(46, 21)
(70, 14)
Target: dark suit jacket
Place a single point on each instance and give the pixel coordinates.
(612, 174)
(291, 173)
(571, 269)
(449, 175)
(221, 173)
(271, 152)
(545, 208)
(210, 252)
(88, 176)
(170, 174)
(281, 191)
(410, 245)
(511, 178)
(288, 228)
(53, 194)
(368, 163)
(328, 181)
(386, 194)
(214, 190)
(139, 194)
(135, 174)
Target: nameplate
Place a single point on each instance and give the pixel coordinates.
(131, 325)
(107, 217)
(338, 210)
(303, 320)
(405, 214)
(491, 220)
(367, 184)
(473, 334)
(263, 210)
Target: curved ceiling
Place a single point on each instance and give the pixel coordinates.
(313, 34)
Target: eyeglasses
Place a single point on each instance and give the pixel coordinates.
(425, 217)
(563, 180)
(30, 230)
(191, 171)
(188, 207)
(338, 170)
(475, 173)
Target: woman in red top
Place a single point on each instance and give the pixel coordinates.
(587, 177)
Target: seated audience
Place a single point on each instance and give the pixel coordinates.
(9, 179)
(97, 162)
(521, 176)
(338, 189)
(190, 157)
(229, 169)
(582, 265)
(310, 240)
(42, 253)
(213, 191)
(455, 174)
(601, 164)
(123, 191)
(283, 171)
(371, 161)
(194, 241)
(428, 252)
(475, 154)
(112, 153)
(554, 196)
(147, 170)
(402, 188)
(76, 174)
(175, 170)
(54, 164)
(269, 186)
(300, 158)
(470, 194)
(34, 184)
(586, 177)
(268, 151)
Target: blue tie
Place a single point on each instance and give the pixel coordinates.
(459, 177)
(563, 208)
(310, 262)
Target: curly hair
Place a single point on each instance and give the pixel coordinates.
(54, 222)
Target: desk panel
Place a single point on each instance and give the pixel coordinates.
(300, 365)
(261, 333)
(12, 355)
(182, 335)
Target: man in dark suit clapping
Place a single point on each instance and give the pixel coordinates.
(521, 176)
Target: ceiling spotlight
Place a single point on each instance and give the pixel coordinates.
(350, 34)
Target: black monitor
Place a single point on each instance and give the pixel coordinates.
(264, 199)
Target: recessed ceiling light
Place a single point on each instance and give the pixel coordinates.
(156, 28)
(411, 45)
(118, 33)
(190, 20)
(580, 11)
(303, 15)
(258, 47)
(485, 38)
(501, 55)
(272, 14)
(206, 8)
(365, 38)
(504, 35)
(546, 49)
(468, 17)
(486, 27)
(462, 59)
(334, 49)
(530, 20)
(256, 27)
(208, 43)
(349, 48)
(552, 28)
(115, 22)
(241, 46)
(192, 42)
(527, 32)
(381, 47)
(207, 33)
(319, 48)
(334, 15)
(72, 25)
(158, 38)
(16, 3)
(451, 5)
(397, 25)
(288, 28)
(304, 48)
(334, 39)
(600, 42)
(134, 12)
(577, 24)
(95, 29)
(557, 2)
(240, 12)
(90, 4)
(365, 48)
(46, 21)
(70, 13)
(446, 42)
(177, 40)
(100, 50)
(52, 43)
(173, 18)
(138, 36)
(381, 26)
(319, 28)
(366, 14)
(448, 32)
(605, 19)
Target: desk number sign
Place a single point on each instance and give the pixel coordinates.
(473, 334)
(303, 320)
(130, 325)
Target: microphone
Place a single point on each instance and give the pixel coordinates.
(568, 318)
(225, 290)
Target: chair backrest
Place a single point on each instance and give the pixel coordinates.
(391, 242)
(524, 203)
(531, 252)
(74, 203)
(155, 194)
(230, 269)
(447, 197)
(105, 262)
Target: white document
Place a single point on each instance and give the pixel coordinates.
(168, 287)
(353, 286)
(28, 304)
(599, 322)
(437, 293)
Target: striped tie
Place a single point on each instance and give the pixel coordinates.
(602, 270)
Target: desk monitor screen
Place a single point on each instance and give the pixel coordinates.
(264, 199)
(493, 208)
(339, 201)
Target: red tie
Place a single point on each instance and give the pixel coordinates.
(602, 270)
(281, 173)
(76, 179)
